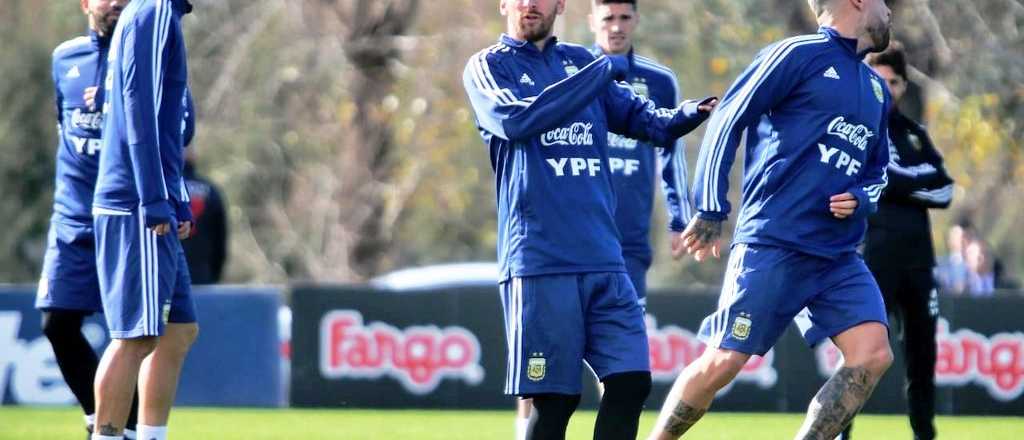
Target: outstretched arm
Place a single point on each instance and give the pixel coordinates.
(503, 112)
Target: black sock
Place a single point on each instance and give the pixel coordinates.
(550, 416)
(623, 400)
(75, 357)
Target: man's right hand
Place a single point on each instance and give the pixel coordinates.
(161, 229)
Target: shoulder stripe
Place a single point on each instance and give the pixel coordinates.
(720, 133)
(71, 44)
(484, 81)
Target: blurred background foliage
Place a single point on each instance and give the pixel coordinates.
(340, 133)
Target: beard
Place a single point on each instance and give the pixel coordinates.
(107, 22)
(880, 36)
(537, 31)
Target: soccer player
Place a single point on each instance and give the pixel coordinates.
(635, 165)
(899, 248)
(815, 117)
(544, 109)
(68, 288)
(140, 211)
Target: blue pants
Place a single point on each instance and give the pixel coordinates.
(554, 323)
(765, 287)
(69, 269)
(144, 279)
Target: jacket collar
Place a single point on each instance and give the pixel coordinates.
(508, 40)
(849, 45)
(98, 41)
(597, 51)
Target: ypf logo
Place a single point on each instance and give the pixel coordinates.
(418, 357)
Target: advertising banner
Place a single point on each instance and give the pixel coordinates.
(236, 361)
(360, 347)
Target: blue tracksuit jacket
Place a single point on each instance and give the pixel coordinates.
(635, 165)
(142, 155)
(815, 117)
(545, 116)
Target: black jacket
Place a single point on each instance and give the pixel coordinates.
(899, 234)
(206, 251)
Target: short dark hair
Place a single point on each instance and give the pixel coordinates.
(894, 56)
(605, 2)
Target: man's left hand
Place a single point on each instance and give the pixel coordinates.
(842, 205)
(184, 230)
(708, 105)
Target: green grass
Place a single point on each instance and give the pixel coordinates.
(248, 424)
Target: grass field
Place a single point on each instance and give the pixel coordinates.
(17, 423)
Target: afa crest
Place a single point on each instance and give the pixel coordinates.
(570, 68)
(536, 368)
(877, 86)
(741, 327)
(640, 88)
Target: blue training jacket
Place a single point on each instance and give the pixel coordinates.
(636, 165)
(815, 117)
(545, 116)
(78, 64)
(142, 156)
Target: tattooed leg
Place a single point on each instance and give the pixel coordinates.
(109, 429)
(837, 402)
(682, 418)
(694, 390)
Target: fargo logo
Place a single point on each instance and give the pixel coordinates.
(858, 135)
(577, 134)
(673, 348)
(995, 362)
(418, 357)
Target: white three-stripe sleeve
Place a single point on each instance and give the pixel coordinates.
(142, 65)
(502, 112)
(875, 177)
(765, 83)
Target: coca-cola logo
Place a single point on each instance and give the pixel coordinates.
(418, 356)
(86, 120)
(619, 141)
(856, 134)
(964, 357)
(673, 348)
(577, 134)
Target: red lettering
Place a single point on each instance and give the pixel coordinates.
(419, 357)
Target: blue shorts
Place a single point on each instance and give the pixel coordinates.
(765, 287)
(554, 323)
(637, 270)
(144, 279)
(69, 269)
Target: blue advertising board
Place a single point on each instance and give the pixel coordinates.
(236, 361)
